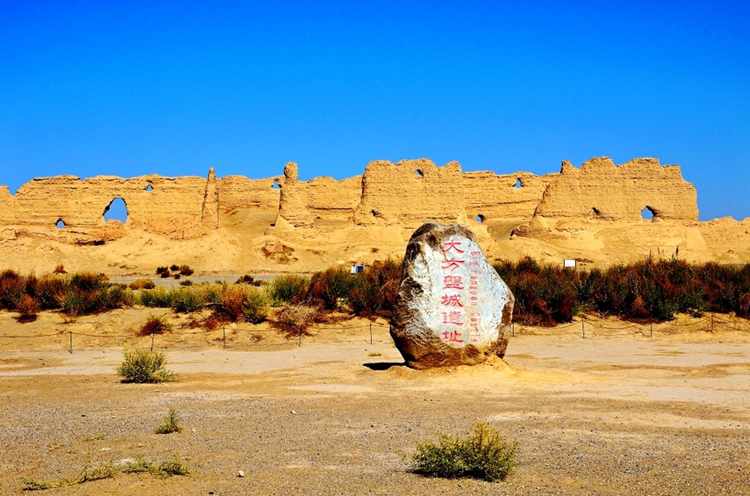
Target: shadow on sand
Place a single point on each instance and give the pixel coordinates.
(383, 365)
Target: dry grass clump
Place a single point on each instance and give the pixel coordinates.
(142, 284)
(155, 324)
(483, 454)
(294, 320)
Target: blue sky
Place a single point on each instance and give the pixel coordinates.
(130, 88)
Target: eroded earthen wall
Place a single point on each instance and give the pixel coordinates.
(508, 196)
(410, 193)
(240, 192)
(601, 189)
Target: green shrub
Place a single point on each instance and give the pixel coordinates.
(188, 300)
(327, 288)
(171, 423)
(142, 284)
(175, 466)
(140, 366)
(238, 303)
(484, 454)
(289, 288)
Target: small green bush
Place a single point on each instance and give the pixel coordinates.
(145, 367)
(175, 466)
(171, 423)
(484, 454)
(142, 284)
(289, 288)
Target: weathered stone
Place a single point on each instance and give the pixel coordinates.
(291, 208)
(452, 308)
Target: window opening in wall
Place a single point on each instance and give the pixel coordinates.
(276, 184)
(480, 218)
(518, 183)
(60, 224)
(647, 213)
(419, 172)
(149, 188)
(116, 210)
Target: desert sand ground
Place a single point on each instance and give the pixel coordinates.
(614, 413)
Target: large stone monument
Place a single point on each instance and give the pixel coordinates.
(452, 308)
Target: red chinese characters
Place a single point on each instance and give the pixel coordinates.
(453, 292)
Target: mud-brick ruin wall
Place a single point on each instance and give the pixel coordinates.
(508, 196)
(600, 189)
(169, 206)
(240, 192)
(409, 193)
(326, 197)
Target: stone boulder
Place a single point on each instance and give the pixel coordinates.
(452, 308)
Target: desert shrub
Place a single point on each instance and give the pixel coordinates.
(12, 288)
(141, 366)
(161, 270)
(59, 269)
(166, 274)
(50, 291)
(155, 324)
(238, 303)
(142, 284)
(185, 270)
(289, 288)
(186, 282)
(374, 291)
(28, 308)
(174, 267)
(484, 454)
(246, 279)
(170, 424)
(294, 320)
(175, 466)
(188, 300)
(327, 288)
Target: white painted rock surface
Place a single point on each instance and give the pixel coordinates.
(452, 308)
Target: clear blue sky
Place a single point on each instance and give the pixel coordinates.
(130, 88)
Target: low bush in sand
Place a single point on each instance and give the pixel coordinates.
(170, 424)
(28, 308)
(289, 288)
(237, 303)
(167, 468)
(155, 324)
(145, 367)
(483, 454)
(329, 288)
(142, 284)
(373, 292)
(294, 320)
(248, 279)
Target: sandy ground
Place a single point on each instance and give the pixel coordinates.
(609, 414)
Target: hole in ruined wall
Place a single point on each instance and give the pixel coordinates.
(480, 218)
(60, 224)
(419, 172)
(116, 210)
(648, 213)
(149, 188)
(518, 183)
(276, 184)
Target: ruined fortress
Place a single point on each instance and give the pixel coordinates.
(574, 209)
(405, 194)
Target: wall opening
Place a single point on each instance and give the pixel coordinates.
(419, 172)
(480, 218)
(149, 188)
(648, 213)
(60, 224)
(276, 184)
(116, 210)
(518, 183)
